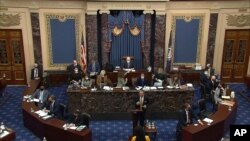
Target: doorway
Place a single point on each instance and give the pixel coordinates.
(12, 62)
(235, 55)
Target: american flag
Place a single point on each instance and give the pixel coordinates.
(170, 55)
(83, 55)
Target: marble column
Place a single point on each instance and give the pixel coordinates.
(36, 38)
(211, 38)
(105, 43)
(147, 40)
(91, 37)
(160, 29)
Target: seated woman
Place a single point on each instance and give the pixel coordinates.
(159, 77)
(103, 80)
(139, 135)
(76, 118)
(121, 82)
(175, 80)
(86, 81)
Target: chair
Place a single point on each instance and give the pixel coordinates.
(86, 118)
(203, 110)
(63, 111)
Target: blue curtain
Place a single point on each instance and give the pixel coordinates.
(126, 44)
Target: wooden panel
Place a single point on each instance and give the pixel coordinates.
(12, 63)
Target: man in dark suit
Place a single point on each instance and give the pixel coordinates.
(186, 117)
(42, 95)
(36, 72)
(93, 68)
(142, 81)
(75, 71)
(76, 118)
(128, 64)
(141, 102)
(53, 107)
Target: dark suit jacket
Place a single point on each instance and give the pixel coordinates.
(210, 86)
(183, 119)
(125, 65)
(71, 68)
(42, 103)
(97, 68)
(40, 73)
(76, 120)
(145, 102)
(142, 83)
(55, 111)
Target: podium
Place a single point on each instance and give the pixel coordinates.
(134, 114)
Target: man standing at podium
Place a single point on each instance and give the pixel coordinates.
(141, 102)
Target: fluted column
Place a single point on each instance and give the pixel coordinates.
(91, 35)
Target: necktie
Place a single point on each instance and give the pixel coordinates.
(128, 65)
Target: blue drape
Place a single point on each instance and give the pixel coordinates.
(126, 44)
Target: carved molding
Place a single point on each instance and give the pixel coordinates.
(238, 20)
(9, 19)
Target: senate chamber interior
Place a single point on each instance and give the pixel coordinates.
(124, 70)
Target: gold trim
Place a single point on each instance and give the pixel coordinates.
(238, 20)
(62, 18)
(9, 19)
(188, 18)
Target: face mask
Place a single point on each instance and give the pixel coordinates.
(142, 77)
(41, 89)
(128, 61)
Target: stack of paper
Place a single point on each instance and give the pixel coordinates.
(41, 113)
(189, 85)
(153, 88)
(208, 120)
(225, 97)
(228, 103)
(5, 133)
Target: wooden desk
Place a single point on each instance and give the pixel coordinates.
(151, 131)
(220, 125)
(52, 128)
(118, 103)
(56, 77)
(113, 76)
(10, 137)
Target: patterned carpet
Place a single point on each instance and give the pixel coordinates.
(11, 115)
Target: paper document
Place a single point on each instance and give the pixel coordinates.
(41, 113)
(36, 100)
(5, 133)
(153, 88)
(225, 97)
(208, 120)
(189, 84)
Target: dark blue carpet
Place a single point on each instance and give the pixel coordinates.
(118, 130)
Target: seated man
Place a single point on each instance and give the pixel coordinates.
(103, 80)
(53, 107)
(36, 72)
(93, 69)
(42, 95)
(159, 77)
(186, 117)
(75, 71)
(142, 81)
(76, 118)
(128, 64)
